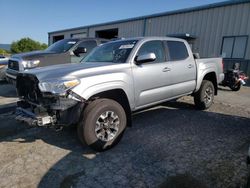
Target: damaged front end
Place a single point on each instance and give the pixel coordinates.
(40, 108)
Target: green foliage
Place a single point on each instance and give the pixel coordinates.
(4, 52)
(26, 45)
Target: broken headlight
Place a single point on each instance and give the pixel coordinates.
(58, 87)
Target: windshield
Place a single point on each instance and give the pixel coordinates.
(62, 45)
(115, 52)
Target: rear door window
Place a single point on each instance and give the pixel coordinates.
(177, 50)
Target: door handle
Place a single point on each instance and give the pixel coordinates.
(166, 69)
(190, 66)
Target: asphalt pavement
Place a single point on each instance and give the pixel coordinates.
(169, 145)
(8, 97)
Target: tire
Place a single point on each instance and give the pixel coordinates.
(204, 97)
(235, 87)
(102, 124)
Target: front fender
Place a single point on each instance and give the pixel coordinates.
(107, 86)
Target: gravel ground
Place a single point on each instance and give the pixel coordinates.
(170, 145)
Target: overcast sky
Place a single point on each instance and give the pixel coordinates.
(35, 18)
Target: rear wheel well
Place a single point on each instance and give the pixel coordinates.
(212, 77)
(119, 96)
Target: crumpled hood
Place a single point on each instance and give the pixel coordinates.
(31, 55)
(64, 71)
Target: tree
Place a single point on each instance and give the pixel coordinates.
(3, 52)
(26, 45)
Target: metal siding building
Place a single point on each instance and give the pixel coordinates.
(216, 28)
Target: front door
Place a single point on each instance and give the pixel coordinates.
(150, 79)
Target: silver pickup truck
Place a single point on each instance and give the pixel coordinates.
(115, 79)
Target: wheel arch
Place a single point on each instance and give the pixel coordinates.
(119, 96)
(210, 76)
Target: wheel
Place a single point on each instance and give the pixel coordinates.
(235, 87)
(204, 97)
(102, 124)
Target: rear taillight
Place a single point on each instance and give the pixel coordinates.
(222, 64)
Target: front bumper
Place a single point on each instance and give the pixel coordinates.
(64, 112)
(27, 116)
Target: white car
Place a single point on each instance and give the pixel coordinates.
(3, 66)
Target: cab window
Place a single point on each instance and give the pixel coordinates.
(177, 50)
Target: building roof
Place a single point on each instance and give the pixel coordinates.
(185, 10)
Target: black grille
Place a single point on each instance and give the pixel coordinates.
(13, 65)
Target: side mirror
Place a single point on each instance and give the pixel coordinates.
(196, 55)
(80, 50)
(149, 57)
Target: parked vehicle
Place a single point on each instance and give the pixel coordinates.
(63, 51)
(3, 58)
(234, 78)
(3, 66)
(114, 80)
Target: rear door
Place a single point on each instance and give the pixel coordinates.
(182, 68)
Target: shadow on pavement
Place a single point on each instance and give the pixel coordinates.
(182, 181)
(164, 144)
(225, 89)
